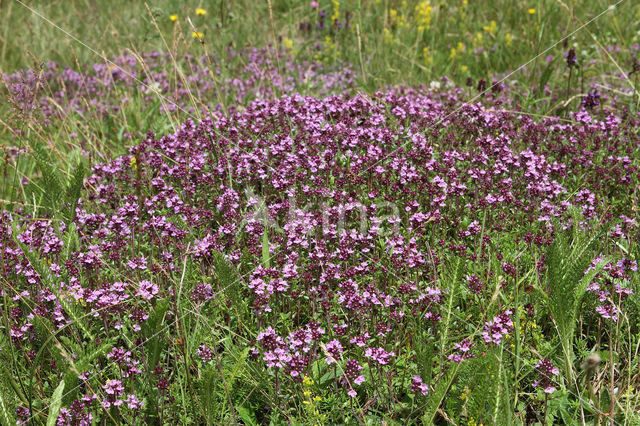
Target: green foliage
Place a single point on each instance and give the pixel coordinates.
(454, 281)
(477, 399)
(4, 413)
(384, 50)
(439, 394)
(568, 258)
(54, 405)
(49, 192)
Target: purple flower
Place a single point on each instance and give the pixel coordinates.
(608, 312)
(501, 325)
(474, 284)
(133, 402)
(591, 100)
(417, 386)
(113, 387)
(147, 290)
(204, 353)
(546, 372)
(379, 355)
(334, 348)
(572, 58)
(463, 350)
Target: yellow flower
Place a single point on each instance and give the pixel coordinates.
(427, 57)
(197, 34)
(336, 10)
(307, 381)
(173, 18)
(491, 28)
(200, 11)
(464, 68)
(532, 11)
(508, 39)
(423, 18)
(387, 35)
(288, 43)
(477, 41)
(132, 163)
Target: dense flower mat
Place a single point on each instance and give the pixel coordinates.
(337, 257)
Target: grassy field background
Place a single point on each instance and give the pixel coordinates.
(392, 42)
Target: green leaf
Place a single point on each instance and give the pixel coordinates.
(54, 406)
(74, 189)
(5, 413)
(438, 395)
(546, 75)
(247, 415)
(265, 249)
(156, 342)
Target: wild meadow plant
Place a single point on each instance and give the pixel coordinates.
(242, 253)
(330, 259)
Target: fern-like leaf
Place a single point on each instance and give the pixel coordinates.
(438, 394)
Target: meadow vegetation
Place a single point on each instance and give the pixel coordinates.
(319, 212)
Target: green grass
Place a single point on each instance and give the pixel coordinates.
(391, 46)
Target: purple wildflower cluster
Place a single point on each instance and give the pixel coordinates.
(56, 91)
(495, 330)
(610, 285)
(339, 214)
(462, 351)
(546, 373)
(418, 386)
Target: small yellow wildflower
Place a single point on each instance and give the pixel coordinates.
(508, 39)
(532, 11)
(456, 51)
(423, 19)
(132, 163)
(464, 69)
(427, 57)
(477, 41)
(173, 18)
(336, 10)
(200, 11)
(491, 28)
(387, 35)
(197, 34)
(465, 393)
(307, 381)
(288, 43)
